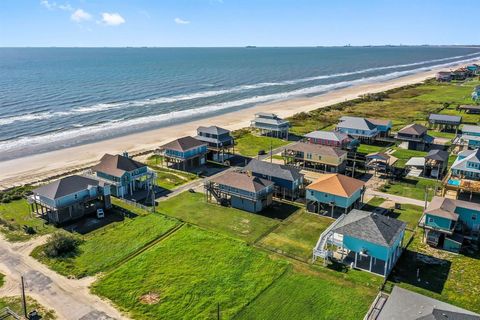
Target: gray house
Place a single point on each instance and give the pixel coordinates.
(241, 191)
(288, 180)
(414, 137)
(220, 143)
(70, 198)
(444, 122)
(125, 175)
(271, 125)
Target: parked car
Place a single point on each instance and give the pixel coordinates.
(261, 152)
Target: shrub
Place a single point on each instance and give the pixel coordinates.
(61, 245)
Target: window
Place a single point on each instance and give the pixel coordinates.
(76, 196)
(311, 192)
(430, 220)
(474, 216)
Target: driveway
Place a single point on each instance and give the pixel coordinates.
(70, 298)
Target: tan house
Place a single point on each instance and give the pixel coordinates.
(316, 157)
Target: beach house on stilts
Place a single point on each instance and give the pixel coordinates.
(270, 124)
(363, 240)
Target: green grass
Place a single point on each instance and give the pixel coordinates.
(453, 278)
(15, 304)
(305, 296)
(15, 215)
(169, 178)
(249, 144)
(439, 134)
(376, 201)
(297, 236)
(2, 280)
(409, 213)
(411, 188)
(193, 208)
(106, 247)
(404, 155)
(190, 273)
(367, 149)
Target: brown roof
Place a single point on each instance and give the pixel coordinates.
(117, 165)
(379, 122)
(336, 184)
(242, 181)
(413, 129)
(183, 144)
(445, 208)
(316, 149)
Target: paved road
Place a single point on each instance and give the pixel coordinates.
(398, 199)
(70, 298)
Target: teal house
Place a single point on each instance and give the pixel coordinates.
(183, 153)
(364, 240)
(471, 136)
(476, 93)
(364, 129)
(447, 222)
(125, 175)
(334, 191)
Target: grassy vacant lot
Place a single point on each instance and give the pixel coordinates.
(106, 247)
(453, 278)
(248, 144)
(297, 235)
(307, 296)
(411, 188)
(367, 149)
(15, 304)
(188, 274)
(15, 215)
(403, 105)
(169, 178)
(193, 208)
(404, 155)
(409, 213)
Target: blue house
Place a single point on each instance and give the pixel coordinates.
(288, 180)
(241, 191)
(332, 191)
(444, 122)
(467, 165)
(125, 175)
(470, 136)
(366, 241)
(69, 198)
(476, 94)
(183, 153)
(448, 221)
(364, 129)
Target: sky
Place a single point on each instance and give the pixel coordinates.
(219, 23)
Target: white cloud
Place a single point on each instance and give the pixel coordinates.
(80, 15)
(52, 5)
(112, 19)
(181, 21)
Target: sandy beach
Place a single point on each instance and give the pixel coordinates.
(35, 168)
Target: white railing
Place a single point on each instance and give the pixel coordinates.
(319, 249)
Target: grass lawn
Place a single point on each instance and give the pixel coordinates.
(375, 201)
(297, 235)
(15, 215)
(409, 213)
(15, 304)
(106, 247)
(193, 208)
(411, 188)
(453, 278)
(188, 274)
(169, 178)
(249, 144)
(306, 296)
(404, 155)
(439, 134)
(367, 149)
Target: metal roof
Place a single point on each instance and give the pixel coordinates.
(65, 186)
(327, 135)
(371, 227)
(470, 128)
(445, 118)
(274, 170)
(464, 157)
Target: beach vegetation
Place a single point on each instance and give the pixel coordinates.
(249, 144)
(61, 245)
(14, 194)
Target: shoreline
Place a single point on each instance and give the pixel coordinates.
(35, 168)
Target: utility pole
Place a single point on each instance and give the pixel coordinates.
(426, 197)
(271, 151)
(24, 300)
(218, 311)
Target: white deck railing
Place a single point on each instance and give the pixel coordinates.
(320, 248)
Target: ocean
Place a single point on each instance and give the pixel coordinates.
(53, 98)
